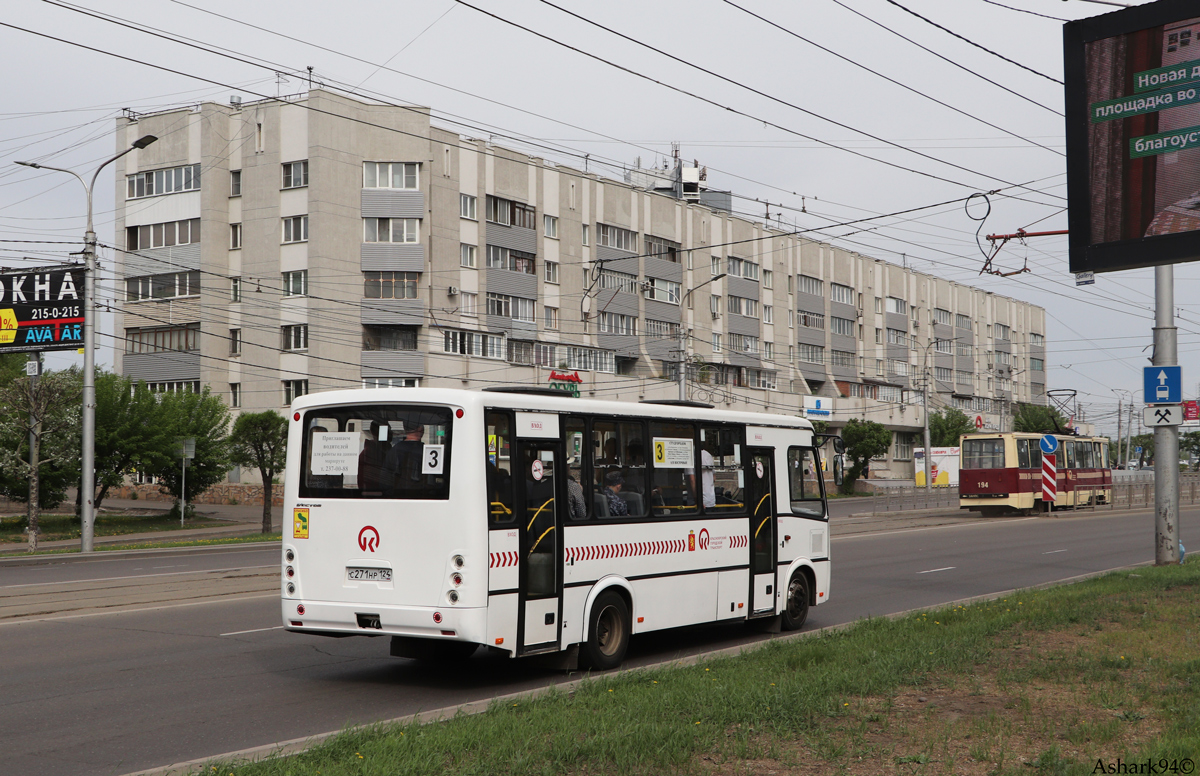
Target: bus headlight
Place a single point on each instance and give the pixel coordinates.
(459, 561)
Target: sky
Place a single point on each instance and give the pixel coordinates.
(813, 113)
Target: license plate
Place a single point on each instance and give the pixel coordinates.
(369, 575)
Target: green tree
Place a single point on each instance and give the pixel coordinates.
(1038, 419)
(205, 418)
(1146, 442)
(947, 425)
(12, 366)
(259, 440)
(132, 430)
(1189, 444)
(865, 439)
(39, 428)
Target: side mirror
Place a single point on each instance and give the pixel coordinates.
(839, 446)
(839, 470)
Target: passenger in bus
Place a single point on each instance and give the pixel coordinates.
(613, 482)
(707, 462)
(402, 467)
(575, 498)
(372, 457)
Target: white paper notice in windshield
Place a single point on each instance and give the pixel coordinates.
(672, 453)
(334, 453)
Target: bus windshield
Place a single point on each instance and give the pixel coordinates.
(376, 451)
(983, 454)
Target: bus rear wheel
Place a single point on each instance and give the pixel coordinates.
(608, 632)
(795, 611)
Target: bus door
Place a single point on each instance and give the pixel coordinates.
(760, 502)
(541, 501)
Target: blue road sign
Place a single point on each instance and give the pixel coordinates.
(1163, 384)
(1137, 450)
(1049, 444)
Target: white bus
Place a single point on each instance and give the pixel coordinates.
(534, 523)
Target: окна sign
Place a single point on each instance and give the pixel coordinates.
(566, 382)
(41, 309)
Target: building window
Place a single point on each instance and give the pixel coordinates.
(468, 304)
(389, 338)
(714, 305)
(813, 354)
(295, 283)
(716, 342)
(235, 342)
(661, 329)
(294, 389)
(768, 314)
(235, 236)
(390, 285)
(962, 322)
(235, 395)
(550, 226)
(811, 285)
(169, 181)
(662, 248)
(1037, 364)
(1003, 333)
(1037, 340)
(170, 285)
(963, 377)
(618, 281)
(742, 306)
(514, 261)
(840, 293)
(897, 337)
(295, 174)
(551, 275)
(897, 306)
(768, 278)
(235, 289)
(391, 230)
(473, 343)
(841, 358)
(843, 326)
(468, 256)
(235, 183)
(904, 446)
(183, 386)
(810, 320)
(165, 235)
(584, 238)
(162, 339)
(662, 290)
(963, 348)
(769, 351)
(390, 175)
(898, 367)
(391, 382)
(879, 336)
(616, 323)
(295, 229)
(509, 213)
(942, 316)
(943, 374)
(466, 206)
(295, 337)
(551, 319)
(1003, 358)
(515, 307)
(944, 346)
(616, 237)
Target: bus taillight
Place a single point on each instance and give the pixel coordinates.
(456, 578)
(300, 610)
(437, 616)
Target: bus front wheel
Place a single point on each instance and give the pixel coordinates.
(608, 632)
(795, 611)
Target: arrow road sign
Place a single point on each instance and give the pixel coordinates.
(1049, 444)
(1163, 415)
(1162, 384)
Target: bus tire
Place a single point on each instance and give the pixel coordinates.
(608, 632)
(795, 609)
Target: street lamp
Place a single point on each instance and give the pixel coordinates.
(683, 333)
(1120, 391)
(88, 456)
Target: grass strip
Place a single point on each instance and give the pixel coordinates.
(1043, 682)
(58, 527)
(156, 544)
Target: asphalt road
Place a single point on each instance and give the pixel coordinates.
(200, 666)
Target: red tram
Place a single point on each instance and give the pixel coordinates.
(1001, 474)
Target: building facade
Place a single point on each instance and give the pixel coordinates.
(277, 248)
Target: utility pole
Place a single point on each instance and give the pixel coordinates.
(1166, 438)
(684, 332)
(1120, 407)
(1129, 434)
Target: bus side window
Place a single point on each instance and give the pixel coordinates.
(578, 487)
(675, 484)
(499, 468)
(724, 445)
(1023, 454)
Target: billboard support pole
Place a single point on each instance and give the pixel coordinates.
(1166, 438)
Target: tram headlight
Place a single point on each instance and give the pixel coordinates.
(452, 596)
(456, 578)
(459, 561)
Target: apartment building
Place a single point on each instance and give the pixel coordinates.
(277, 248)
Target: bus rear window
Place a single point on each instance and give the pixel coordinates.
(983, 454)
(376, 451)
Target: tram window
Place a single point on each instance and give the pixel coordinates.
(1023, 454)
(983, 454)
(675, 485)
(804, 473)
(499, 468)
(619, 469)
(1101, 451)
(1069, 454)
(1083, 455)
(724, 444)
(578, 487)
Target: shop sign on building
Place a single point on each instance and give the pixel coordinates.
(566, 382)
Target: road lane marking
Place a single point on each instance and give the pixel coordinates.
(943, 568)
(138, 576)
(159, 607)
(1052, 552)
(255, 630)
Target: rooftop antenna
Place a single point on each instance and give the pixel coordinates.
(280, 80)
(310, 73)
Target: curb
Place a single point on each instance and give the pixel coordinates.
(25, 559)
(298, 745)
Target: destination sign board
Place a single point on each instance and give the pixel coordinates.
(41, 308)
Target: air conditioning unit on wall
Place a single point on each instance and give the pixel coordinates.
(452, 290)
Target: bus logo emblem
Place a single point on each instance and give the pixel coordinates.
(704, 538)
(691, 541)
(368, 539)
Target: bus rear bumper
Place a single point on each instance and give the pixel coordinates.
(426, 622)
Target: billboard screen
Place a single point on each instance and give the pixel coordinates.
(41, 308)
(1133, 136)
